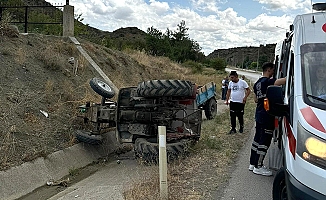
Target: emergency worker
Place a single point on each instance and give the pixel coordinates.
(264, 121)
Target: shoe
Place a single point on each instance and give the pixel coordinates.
(251, 167)
(262, 171)
(241, 130)
(232, 131)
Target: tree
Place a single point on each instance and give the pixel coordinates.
(217, 63)
(253, 65)
(262, 59)
(176, 45)
(79, 27)
(246, 63)
(157, 43)
(181, 33)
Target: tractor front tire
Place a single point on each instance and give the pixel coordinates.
(101, 88)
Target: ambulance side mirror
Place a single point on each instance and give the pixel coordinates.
(273, 103)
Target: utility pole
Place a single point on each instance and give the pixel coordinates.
(242, 59)
(286, 30)
(258, 58)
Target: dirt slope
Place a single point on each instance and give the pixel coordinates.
(36, 76)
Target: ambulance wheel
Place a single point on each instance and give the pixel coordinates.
(279, 186)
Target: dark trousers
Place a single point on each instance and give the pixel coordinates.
(236, 110)
(261, 143)
(224, 91)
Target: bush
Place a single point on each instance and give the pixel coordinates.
(253, 65)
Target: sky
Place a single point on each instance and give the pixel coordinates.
(213, 24)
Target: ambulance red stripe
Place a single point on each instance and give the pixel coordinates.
(312, 119)
(291, 138)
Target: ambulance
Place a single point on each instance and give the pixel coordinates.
(300, 108)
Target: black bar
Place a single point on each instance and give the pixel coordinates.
(26, 15)
(37, 22)
(67, 2)
(0, 13)
(44, 22)
(30, 6)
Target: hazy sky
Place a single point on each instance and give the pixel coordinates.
(214, 24)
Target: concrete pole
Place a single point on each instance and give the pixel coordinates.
(68, 21)
(163, 163)
(257, 59)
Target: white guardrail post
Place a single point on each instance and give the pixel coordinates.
(163, 163)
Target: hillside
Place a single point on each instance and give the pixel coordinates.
(241, 56)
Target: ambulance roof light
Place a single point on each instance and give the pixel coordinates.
(319, 6)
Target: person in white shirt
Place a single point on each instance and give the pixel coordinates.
(236, 97)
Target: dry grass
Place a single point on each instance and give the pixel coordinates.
(21, 56)
(8, 146)
(80, 65)
(164, 68)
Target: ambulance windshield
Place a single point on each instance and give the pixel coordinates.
(313, 59)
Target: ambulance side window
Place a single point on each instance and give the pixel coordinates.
(285, 62)
(276, 65)
(290, 87)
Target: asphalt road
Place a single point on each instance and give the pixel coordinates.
(244, 184)
(252, 76)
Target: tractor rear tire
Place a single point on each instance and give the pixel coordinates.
(210, 109)
(87, 137)
(160, 88)
(148, 150)
(101, 88)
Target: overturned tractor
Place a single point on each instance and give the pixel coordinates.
(175, 104)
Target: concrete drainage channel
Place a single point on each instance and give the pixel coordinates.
(21, 180)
